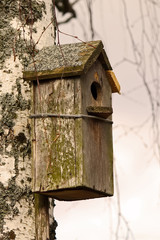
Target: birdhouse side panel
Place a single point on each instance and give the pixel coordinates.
(57, 152)
(97, 134)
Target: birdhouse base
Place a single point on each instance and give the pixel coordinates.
(77, 193)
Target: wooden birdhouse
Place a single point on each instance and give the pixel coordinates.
(72, 121)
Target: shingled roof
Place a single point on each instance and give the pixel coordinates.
(66, 60)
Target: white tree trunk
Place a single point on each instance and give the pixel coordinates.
(17, 203)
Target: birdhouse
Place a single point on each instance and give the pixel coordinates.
(72, 152)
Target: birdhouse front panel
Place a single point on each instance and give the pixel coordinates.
(57, 156)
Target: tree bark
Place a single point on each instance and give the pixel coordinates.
(21, 24)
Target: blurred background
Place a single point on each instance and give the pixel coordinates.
(130, 32)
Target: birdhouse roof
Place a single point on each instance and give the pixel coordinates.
(69, 60)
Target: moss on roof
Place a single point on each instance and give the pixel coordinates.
(66, 60)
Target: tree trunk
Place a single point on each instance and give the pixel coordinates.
(22, 215)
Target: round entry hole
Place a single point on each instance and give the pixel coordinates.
(96, 90)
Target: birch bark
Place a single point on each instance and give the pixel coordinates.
(21, 23)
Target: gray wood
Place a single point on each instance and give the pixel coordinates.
(73, 158)
(97, 135)
(57, 155)
(41, 217)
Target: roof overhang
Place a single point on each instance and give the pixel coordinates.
(69, 60)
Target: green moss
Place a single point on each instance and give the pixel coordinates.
(64, 154)
(61, 152)
(61, 156)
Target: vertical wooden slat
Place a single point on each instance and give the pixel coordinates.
(42, 217)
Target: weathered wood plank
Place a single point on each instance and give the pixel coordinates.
(42, 217)
(56, 162)
(97, 135)
(103, 112)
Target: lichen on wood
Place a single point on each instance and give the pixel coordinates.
(54, 155)
(76, 59)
